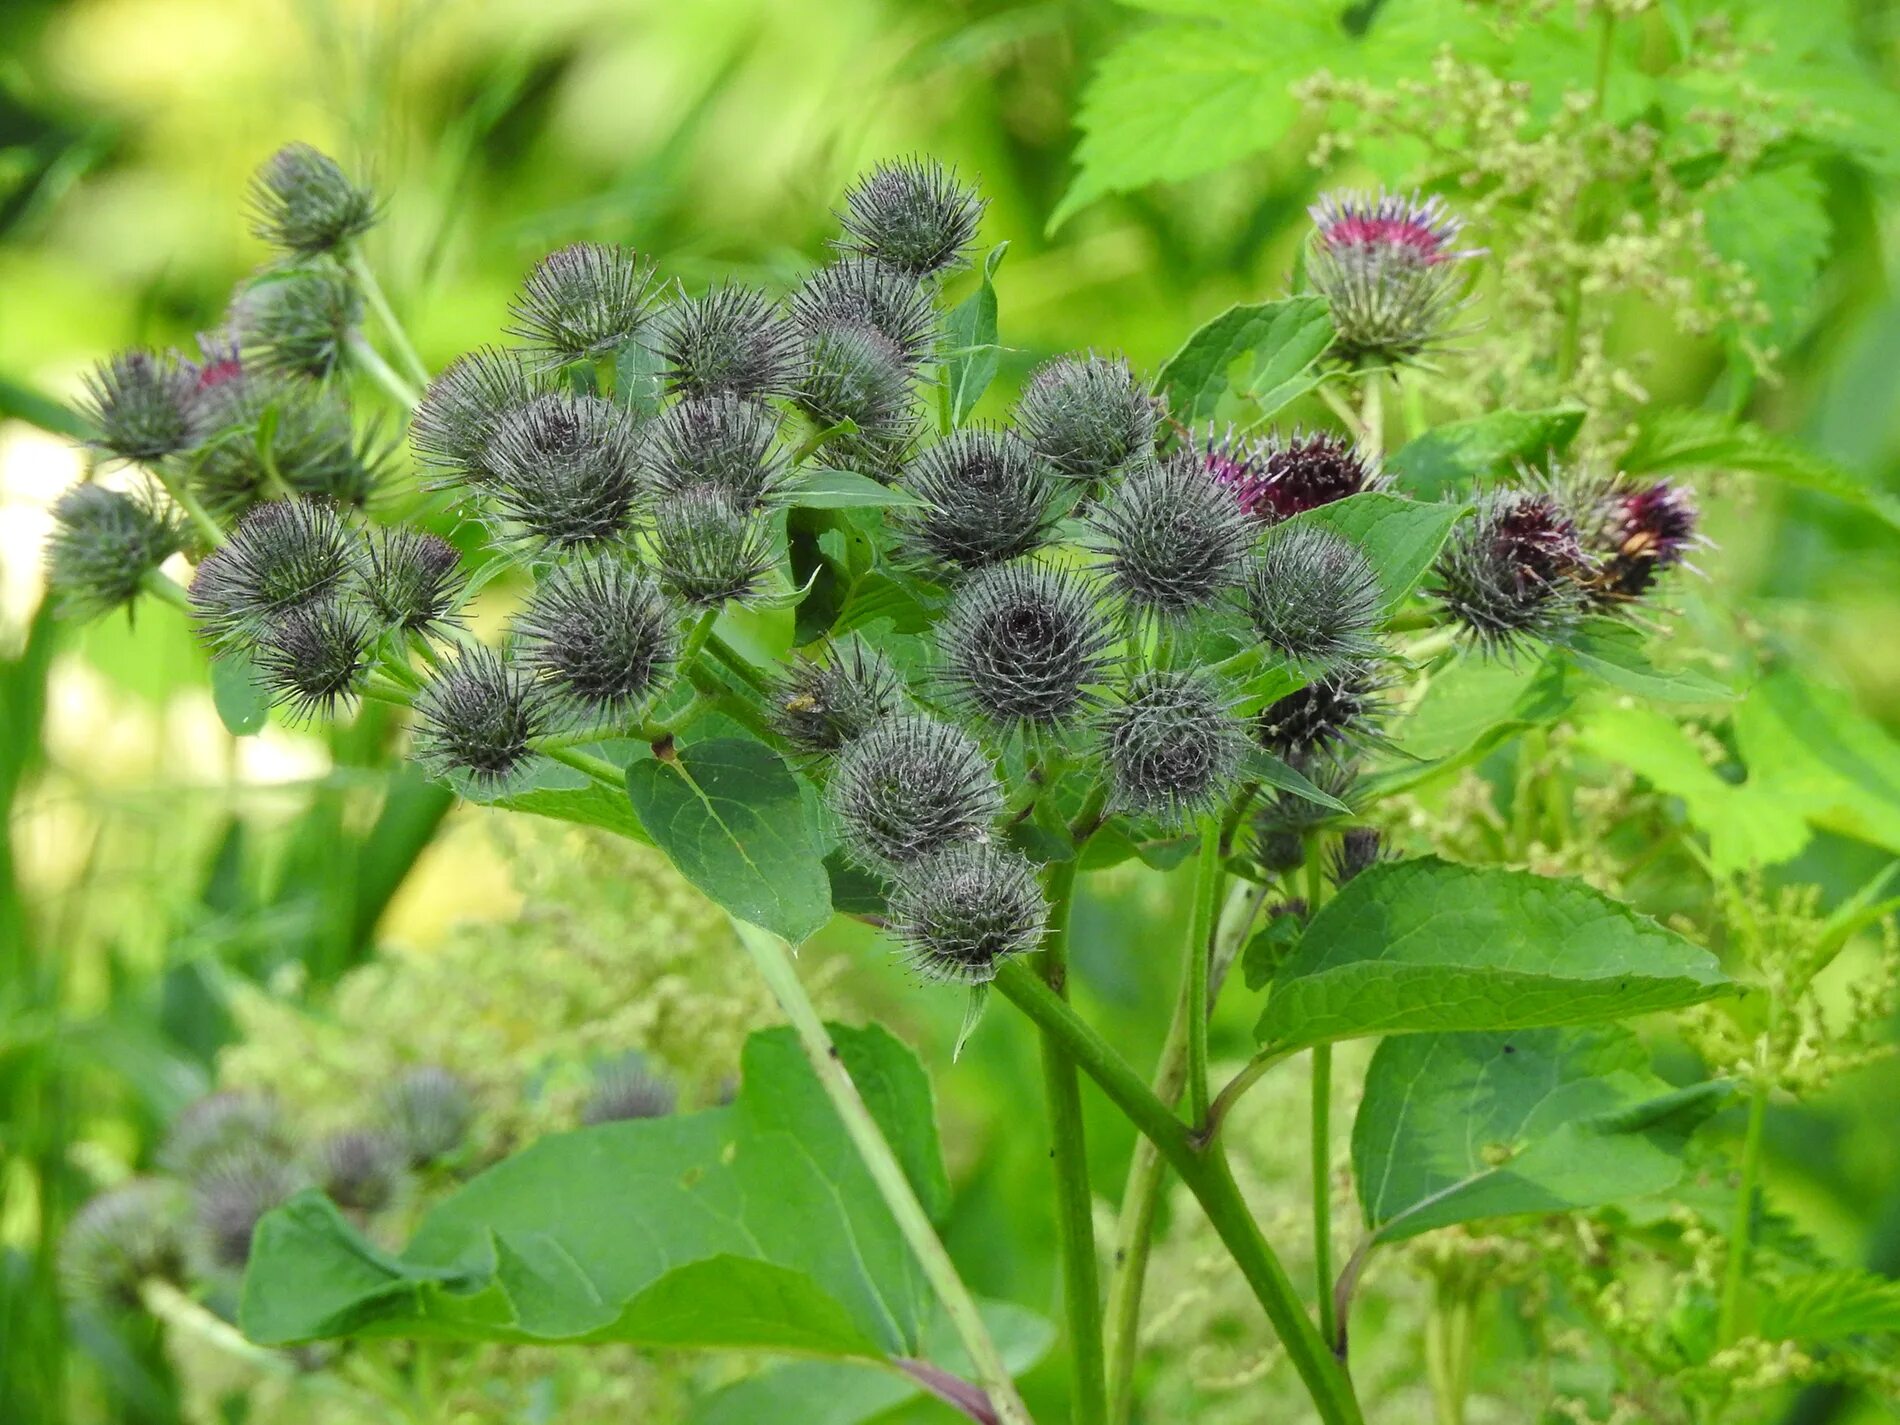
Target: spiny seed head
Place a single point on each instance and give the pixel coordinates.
(477, 717)
(1328, 719)
(359, 1168)
(1023, 644)
(121, 1239)
(410, 578)
(911, 214)
(431, 1111)
(297, 321)
(219, 1125)
(961, 911)
(1173, 540)
(566, 469)
(1280, 851)
(856, 375)
(1638, 531)
(722, 442)
(104, 543)
(910, 786)
(709, 548)
(730, 342)
(584, 301)
(1389, 270)
(858, 291)
(1359, 849)
(1304, 471)
(302, 202)
(1172, 745)
(461, 411)
(984, 499)
(1086, 415)
(313, 658)
(279, 433)
(820, 705)
(600, 635)
(1515, 570)
(624, 1090)
(1313, 595)
(283, 556)
(142, 405)
(232, 1195)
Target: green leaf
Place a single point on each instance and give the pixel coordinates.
(563, 793)
(726, 1228)
(239, 695)
(1412, 946)
(1464, 1127)
(1614, 652)
(970, 333)
(1474, 704)
(637, 369)
(1807, 746)
(1829, 1306)
(1400, 537)
(731, 816)
(845, 490)
(1263, 766)
(1775, 223)
(1287, 337)
(1460, 452)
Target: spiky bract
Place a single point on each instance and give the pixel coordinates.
(230, 1197)
(822, 704)
(463, 408)
(477, 717)
(909, 786)
(285, 436)
(1025, 644)
(863, 293)
(1516, 570)
(582, 302)
(984, 499)
(721, 442)
(1172, 540)
(142, 405)
(1086, 415)
(566, 470)
(1173, 745)
(411, 579)
(313, 659)
(1313, 595)
(623, 1091)
(104, 544)
(283, 556)
(600, 635)
(1360, 848)
(912, 214)
(359, 1168)
(730, 341)
(304, 203)
(855, 377)
(1329, 718)
(121, 1239)
(1389, 271)
(708, 548)
(961, 911)
(298, 321)
(431, 1111)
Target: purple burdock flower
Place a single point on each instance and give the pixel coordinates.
(1645, 530)
(1276, 477)
(1235, 464)
(1390, 270)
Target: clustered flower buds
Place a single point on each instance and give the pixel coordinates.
(1390, 271)
(1313, 595)
(1024, 645)
(582, 303)
(822, 704)
(1086, 416)
(1172, 540)
(965, 909)
(911, 214)
(1173, 746)
(911, 785)
(983, 497)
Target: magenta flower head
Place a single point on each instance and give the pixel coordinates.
(1391, 270)
(1645, 529)
(1275, 477)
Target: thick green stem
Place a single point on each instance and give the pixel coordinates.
(180, 492)
(379, 304)
(163, 586)
(599, 768)
(1203, 1168)
(697, 636)
(768, 953)
(1323, 1188)
(1372, 418)
(1200, 950)
(1742, 1222)
(1075, 1207)
(370, 362)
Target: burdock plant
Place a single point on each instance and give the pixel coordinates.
(777, 605)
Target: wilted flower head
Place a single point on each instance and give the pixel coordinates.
(983, 498)
(1389, 270)
(313, 658)
(860, 292)
(600, 634)
(856, 377)
(359, 1168)
(912, 214)
(582, 302)
(962, 910)
(284, 555)
(729, 342)
(231, 1195)
(1023, 643)
(909, 786)
(477, 716)
(104, 544)
(410, 578)
(121, 1239)
(463, 408)
(1306, 470)
(1173, 540)
(303, 202)
(142, 405)
(721, 442)
(1172, 745)
(709, 548)
(430, 1110)
(821, 704)
(624, 1090)
(1329, 718)
(566, 469)
(1515, 569)
(1640, 530)
(1086, 415)
(1313, 595)
(218, 1125)
(297, 321)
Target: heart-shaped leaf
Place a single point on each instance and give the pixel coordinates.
(1288, 336)
(1400, 537)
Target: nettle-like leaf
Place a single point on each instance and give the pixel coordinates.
(718, 1229)
(1462, 1127)
(1459, 453)
(1399, 537)
(1775, 223)
(1829, 1307)
(1425, 945)
(1808, 746)
(1284, 341)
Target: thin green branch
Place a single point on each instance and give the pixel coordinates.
(370, 362)
(398, 337)
(1200, 949)
(182, 496)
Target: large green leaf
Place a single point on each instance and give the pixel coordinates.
(1461, 1127)
(1400, 537)
(1459, 452)
(563, 793)
(752, 1226)
(1807, 745)
(1426, 945)
(731, 816)
(239, 695)
(970, 335)
(1285, 338)
(1830, 1306)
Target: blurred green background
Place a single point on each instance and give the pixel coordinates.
(153, 861)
